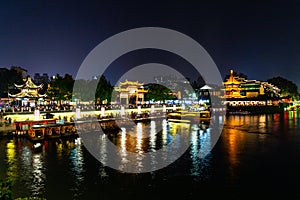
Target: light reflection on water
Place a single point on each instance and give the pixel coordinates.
(38, 175)
(243, 138)
(12, 171)
(77, 166)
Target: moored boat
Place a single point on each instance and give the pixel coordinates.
(44, 129)
(36, 133)
(22, 127)
(52, 131)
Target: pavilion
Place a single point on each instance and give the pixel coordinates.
(131, 92)
(29, 92)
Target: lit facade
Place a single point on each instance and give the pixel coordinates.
(236, 87)
(129, 91)
(233, 87)
(28, 90)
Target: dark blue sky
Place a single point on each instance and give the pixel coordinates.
(261, 40)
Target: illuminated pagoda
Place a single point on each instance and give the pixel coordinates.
(237, 87)
(131, 92)
(232, 87)
(239, 91)
(28, 90)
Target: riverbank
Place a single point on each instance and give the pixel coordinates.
(255, 109)
(20, 116)
(5, 127)
(6, 130)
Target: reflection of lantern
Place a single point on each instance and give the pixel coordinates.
(139, 110)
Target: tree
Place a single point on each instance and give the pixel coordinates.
(158, 92)
(104, 89)
(196, 84)
(61, 87)
(287, 87)
(8, 78)
(84, 89)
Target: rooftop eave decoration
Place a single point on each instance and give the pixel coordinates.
(28, 89)
(126, 82)
(206, 87)
(231, 80)
(28, 95)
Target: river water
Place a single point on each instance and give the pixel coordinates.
(256, 156)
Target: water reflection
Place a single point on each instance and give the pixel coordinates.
(139, 140)
(234, 139)
(77, 165)
(38, 175)
(123, 145)
(153, 136)
(67, 167)
(139, 137)
(194, 151)
(103, 150)
(165, 131)
(260, 124)
(11, 156)
(200, 145)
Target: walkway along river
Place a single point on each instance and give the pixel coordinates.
(256, 156)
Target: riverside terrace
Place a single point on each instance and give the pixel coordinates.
(69, 113)
(69, 107)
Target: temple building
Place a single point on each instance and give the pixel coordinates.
(237, 87)
(131, 92)
(28, 92)
(232, 87)
(239, 91)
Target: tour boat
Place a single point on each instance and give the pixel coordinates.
(44, 129)
(22, 127)
(36, 132)
(52, 131)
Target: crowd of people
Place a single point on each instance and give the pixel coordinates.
(65, 107)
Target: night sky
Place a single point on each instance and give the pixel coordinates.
(261, 40)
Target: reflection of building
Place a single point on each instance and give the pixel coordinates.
(131, 92)
(28, 91)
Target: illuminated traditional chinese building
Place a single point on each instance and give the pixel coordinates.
(232, 87)
(236, 87)
(131, 92)
(28, 91)
(241, 92)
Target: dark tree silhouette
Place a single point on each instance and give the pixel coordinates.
(60, 87)
(158, 93)
(287, 87)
